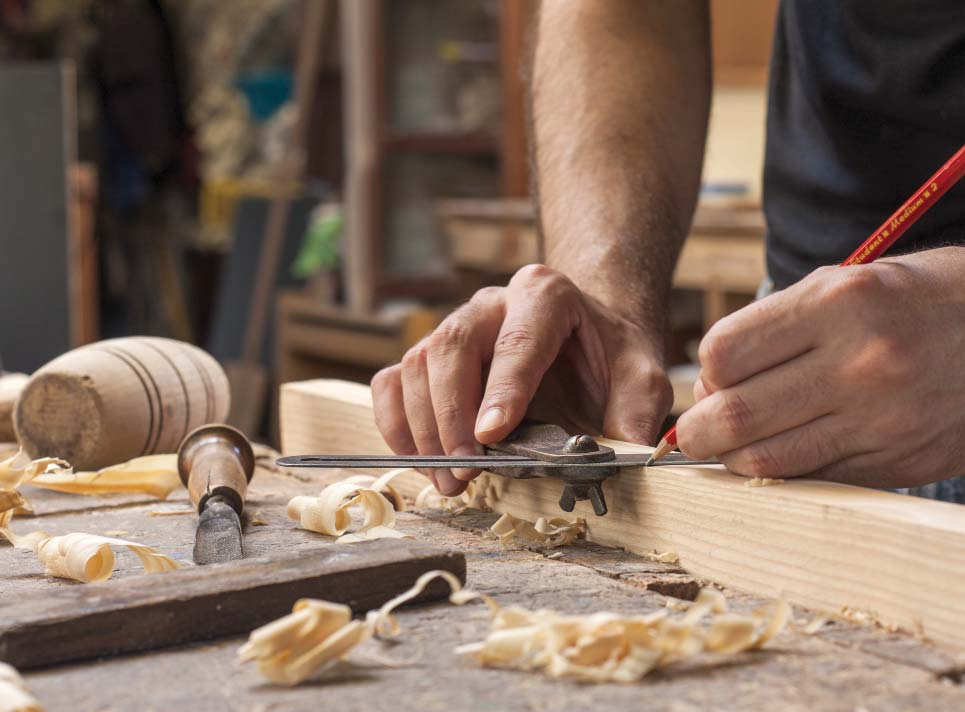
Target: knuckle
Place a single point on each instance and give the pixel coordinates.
(545, 282)
(385, 378)
(712, 354)
(487, 295)
(855, 285)
(534, 273)
(448, 410)
(736, 415)
(763, 462)
(884, 358)
(452, 335)
(514, 342)
(415, 358)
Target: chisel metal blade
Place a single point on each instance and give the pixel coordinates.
(218, 537)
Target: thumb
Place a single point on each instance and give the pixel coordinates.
(640, 398)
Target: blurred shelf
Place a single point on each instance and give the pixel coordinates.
(448, 142)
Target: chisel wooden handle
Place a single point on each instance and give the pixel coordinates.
(216, 460)
(108, 402)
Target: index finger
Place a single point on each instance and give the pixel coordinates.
(538, 320)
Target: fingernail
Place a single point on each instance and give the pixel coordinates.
(491, 419)
(447, 484)
(465, 474)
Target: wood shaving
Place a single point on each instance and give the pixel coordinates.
(608, 647)
(256, 520)
(318, 633)
(314, 635)
(11, 502)
(762, 482)
(814, 625)
(382, 485)
(154, 475)
(14, 696)
(88, 558)
(601, 647)
(329, 512)
(550, 532)
(472, 498)
(662, 557)
(18, 469)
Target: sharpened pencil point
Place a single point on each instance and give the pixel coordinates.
(666, 445)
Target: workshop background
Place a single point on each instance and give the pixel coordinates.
(304, 189)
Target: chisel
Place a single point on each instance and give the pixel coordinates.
(216, 463)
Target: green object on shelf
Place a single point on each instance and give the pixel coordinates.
(319, 250)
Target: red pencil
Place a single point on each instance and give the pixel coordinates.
(879, 241)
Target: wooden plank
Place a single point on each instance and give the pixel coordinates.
(822, 545)
(148, 612)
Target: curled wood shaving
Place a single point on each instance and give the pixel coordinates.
(311, 637)
(11, 502)
(608, 647)
(383, 486)
(154, 475)
(762, 482)
(14, 696)
(318, 633)
(88, 558)
(551, 532)
(18, 469)
(329, 512)
(473, 497)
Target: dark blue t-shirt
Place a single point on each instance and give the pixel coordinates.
(867, 100)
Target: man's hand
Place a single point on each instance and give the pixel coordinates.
(855, 374)
(551, 351)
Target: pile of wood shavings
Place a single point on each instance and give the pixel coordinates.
(82, 557)
(14, 696)
(549, 532)
(601, 647)
(608, 647)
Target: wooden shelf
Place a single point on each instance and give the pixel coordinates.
(451, 142)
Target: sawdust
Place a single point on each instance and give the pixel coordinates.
(762, 482)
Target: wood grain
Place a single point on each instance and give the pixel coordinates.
(148, 612)
(818, 544)
(107, 402)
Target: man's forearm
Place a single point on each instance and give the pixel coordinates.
(620, 96)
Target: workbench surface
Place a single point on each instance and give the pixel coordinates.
(842, 667)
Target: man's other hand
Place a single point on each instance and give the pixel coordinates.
(538, 347)
(854, 374)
